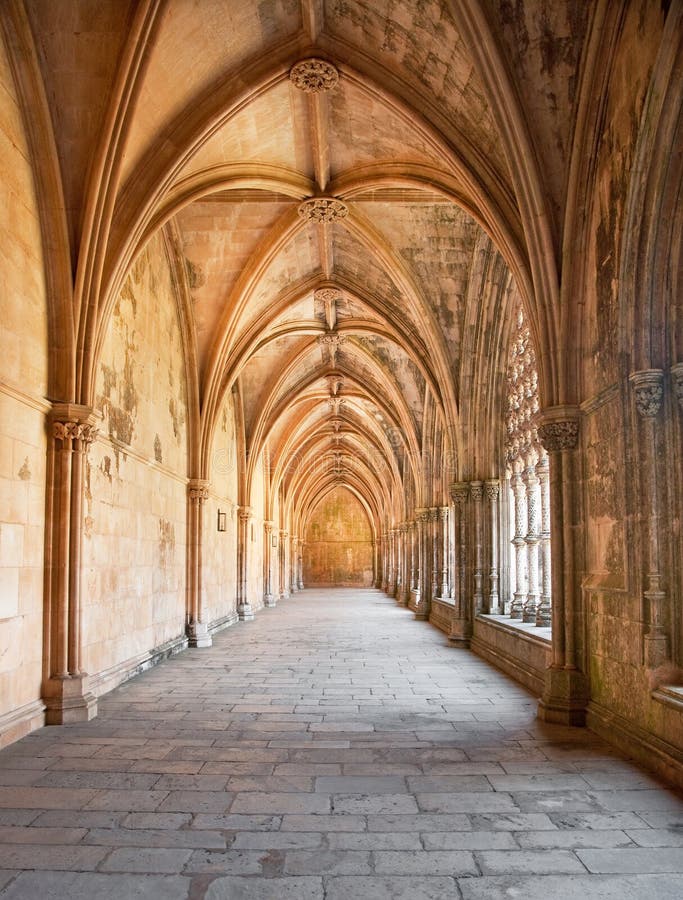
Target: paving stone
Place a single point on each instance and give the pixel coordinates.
(18, 816)
(280, 803)
(156, 820)
(656, 837)
(573, 839)
(424, 862)
(50, 856)
(346, 784)
(147, 837)
(228, 862)
(95, 886)
(148, 860)
(23, 835)
(58, 818)
(391, 888)
(323, 823)
(237, 822)
(475, 802)
(502, 862)
(609, 821)
(635, 801)
(633, 861)
(196, 801)
(426, 784)
(417, 823)
(236, 888)
(327, 862)
(44, 798)
(470, 840)
(278, 840)
(379, 804)
(572, 887)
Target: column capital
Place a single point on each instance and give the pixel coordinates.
(443, 513)
(434, 513)
(648, 387)
(460, 491)
(245, 513)
(421, 514)
(74, 422)
(558, 428)
(492, 487)
(198, 489)
(268, 527)
(476, 490)
(284, 534)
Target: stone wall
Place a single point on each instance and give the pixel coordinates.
(23, 386)
(338, 548)
(135, 511)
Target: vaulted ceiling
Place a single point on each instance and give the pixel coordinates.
(331, 173)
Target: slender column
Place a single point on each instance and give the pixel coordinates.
(544, 612)
(269, 598)
(566, 689)
(375, 578)
(197, 628)
(65, 685)
(391, 576)
(443, 515)
(492, 494)
(461, 627)
(477, 493)
(284, 587)
(300, 559)
(413, 555)
(421, 600)
(293, 557)
(244, 610)
(433, 532)
(532, 539)
(648, 387)
(519, 543)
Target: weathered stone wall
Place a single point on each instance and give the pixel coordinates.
(134, 544)
(338, 548)
(23, 385)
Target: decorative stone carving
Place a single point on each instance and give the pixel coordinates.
(336, 404)
(323, 209)
(460, 492)
(328, 295)
(677, 382)
(74, 431)
(314, 76)
(558, 436)
(198, 490)
(331, 339)
(648, 386)
(245, 513)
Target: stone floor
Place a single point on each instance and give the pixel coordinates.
(334, 748)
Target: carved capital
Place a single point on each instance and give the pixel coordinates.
(198, 490)
(443, 512)
(460, 491)
(268, 528)
(648, 388)
(245, 513)
(72, 422)
(323, 209)
(558, 428)
(492, 487)
(421, 514)
(314, 76)
(677, 382)
(477, 490)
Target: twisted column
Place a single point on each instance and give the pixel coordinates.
(532, 540)
(519, 543)
(477, 493)
(445, 548)
(421, 590)
(436, 546)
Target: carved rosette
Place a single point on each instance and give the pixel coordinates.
(323, 209)
(648, 388)
(331, 339)
(314, 76)
(677, 382)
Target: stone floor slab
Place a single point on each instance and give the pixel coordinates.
(95, 886)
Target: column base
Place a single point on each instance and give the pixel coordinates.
(198, 635)
(68, 700)
(269, 601)
(565, 697)
(460, 634)
(245, 613)
(655, 650)
(284, 595)
(422, 610)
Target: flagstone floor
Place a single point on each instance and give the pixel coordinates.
(333, 749)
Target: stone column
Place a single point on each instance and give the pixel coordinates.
(433, 532)
(532, 539)
(413, 554)
(477, 494)
(519, 543)
(565, 694)
(421, 597)
(65, 687)
(375, 567)
(461, 627)
(404, 536)
(300, 561)
(492, 494)
(244, 610)
(445, 552)
(284, 587)
(391, 574)
(544, 611)
(269, 599)
(648, 388)
(197, 628)
(293, 558)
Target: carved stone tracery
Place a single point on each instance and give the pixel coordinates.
(314, 76)
(323, 209)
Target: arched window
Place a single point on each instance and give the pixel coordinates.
(527, 485)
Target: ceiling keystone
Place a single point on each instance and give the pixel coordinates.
(314, 76)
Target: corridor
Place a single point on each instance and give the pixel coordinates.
(333, 748)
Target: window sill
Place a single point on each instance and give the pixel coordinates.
(534, 631)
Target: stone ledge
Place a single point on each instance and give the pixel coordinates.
(224, 622)
(106, 680)
(670, 695)
(533, 632)
(518, 651)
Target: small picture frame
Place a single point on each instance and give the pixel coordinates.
(222, 521)
(273, 541)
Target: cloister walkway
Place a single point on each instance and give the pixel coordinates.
(333, 748)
